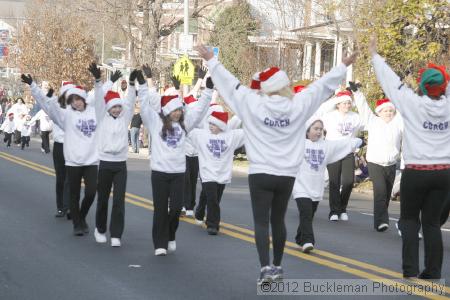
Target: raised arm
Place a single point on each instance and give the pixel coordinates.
(238, 138)
(100, 107)
(197, 113)
(234, 122)
(131, 97)
(337, 150)
(148, 115)
(201, 73)
(365, 113)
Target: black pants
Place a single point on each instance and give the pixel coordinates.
(25, 141)
(383, 181)
(17, 136)
(445, 210)
(307, 209)
(342, 173)
(62, 181)
(165, 224)
(111, 173)
(45, 141)
(201, 207)
(270, 196)
(89, 175)
(7, 139)
(190, 182)
(423, 194)
(213, 193)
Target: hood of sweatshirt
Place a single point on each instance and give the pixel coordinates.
(278, 106)
(436, 108)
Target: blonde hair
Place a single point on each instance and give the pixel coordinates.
(284, 92)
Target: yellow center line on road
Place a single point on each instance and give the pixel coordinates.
(248, 236)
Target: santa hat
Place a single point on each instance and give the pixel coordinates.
(343, 96)
(215, 107)
(66, 85)
(77, 90)
(256, 83)
(433, 80)
(273, 79)
(299, 88)
(171, 92)
(10, 114)
(382, 104)
(112, 99)
(220, 119)
(170, 103)
(190, 100)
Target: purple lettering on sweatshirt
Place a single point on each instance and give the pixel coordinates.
(217, 147)
(435, 126)
(277, 122)
(172, 139)
(314, 157)
(87, 127)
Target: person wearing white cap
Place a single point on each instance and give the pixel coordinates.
(272, 120)
(309, 183)
(385, 129)
(8, 127)
(168, 127)
(216, 146)
(45, 127)
(341, 123)
(114, 115)
(79, 122)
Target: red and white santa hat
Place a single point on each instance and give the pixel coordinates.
(77, 90)
(298, 88)
(382, 104)
(273, 79)
(220, 119)
(10, 114)
(66, 85)
(343, 96)
(215, 107)
(111, 99)
(170, 103)
(256, 83)
(190, 100)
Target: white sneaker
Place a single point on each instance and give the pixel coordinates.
(172, 246)
(383, 227)
(334, 218)
(100, 237)
(183, 211)
(198, 222)
(420, 236)
(307, 247)
(160, 252)
(189, 213)
(398, 230)
(115, 242)
(343, 217)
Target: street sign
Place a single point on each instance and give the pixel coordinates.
(184, 68)
(216, 52)
(186, 42)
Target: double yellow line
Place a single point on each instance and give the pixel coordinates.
(320, 257)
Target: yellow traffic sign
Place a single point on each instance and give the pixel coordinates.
(184, 69)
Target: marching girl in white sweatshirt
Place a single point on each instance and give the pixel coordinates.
(79, 122)
(168, 128)
(45, 127)
(425, 180)
(309, 183)
(271, 122)
(113, 116)
(385, 130)
(341, 123)
(26, 132)
(216, 146)
(8, 127)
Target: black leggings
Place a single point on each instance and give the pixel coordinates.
(422, 195)
(111, 173)
(342, 173)
(17, 136)
(25, 141)
(7, 139)
(45, 141)
(89, 174)
(270, 195)
(62, 182)
(213, 193)
(190, 182)
(307, 208)
(445, 210)
(383, 181)
(165, 224)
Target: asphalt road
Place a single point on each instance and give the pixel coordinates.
(41, 259)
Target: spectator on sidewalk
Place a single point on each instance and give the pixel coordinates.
(135, 128)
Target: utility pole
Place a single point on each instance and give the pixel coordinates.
(186, 32)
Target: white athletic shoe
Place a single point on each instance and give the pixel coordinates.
(160, 252)
(382, 227)
(183, 211)
(198, 222)
(100, 237)
(343, 217)
(115, 242)
(307, 247)
(334, 218)
(172, 246)
(189, 213)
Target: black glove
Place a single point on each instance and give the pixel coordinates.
(147, 71)
(209, 83)
(176, 82)
(201, 72)
(353, 86)
(50, 92)
(95, 71)
(133, 76)
(116, 75)
(140, 77)
(27, 79)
